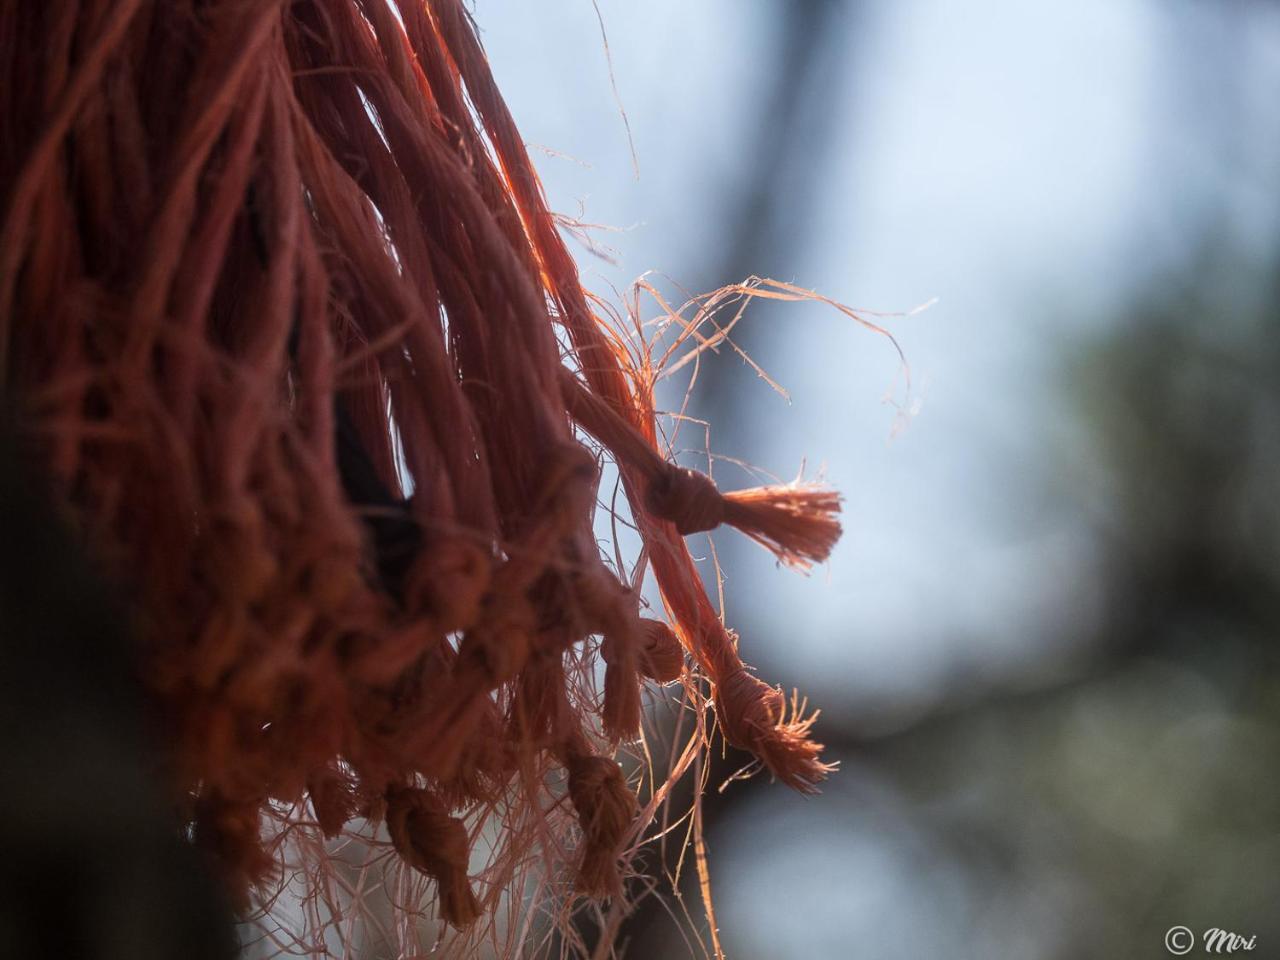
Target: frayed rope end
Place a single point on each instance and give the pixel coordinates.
(796, 521)
(756, 717)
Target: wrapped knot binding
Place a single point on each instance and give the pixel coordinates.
(688, 499)
(286, 322)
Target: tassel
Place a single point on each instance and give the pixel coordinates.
(796, 522)
(606, 810)
(332, 798)
(610, 609)
(621, 713)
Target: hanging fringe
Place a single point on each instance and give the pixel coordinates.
(280, 305)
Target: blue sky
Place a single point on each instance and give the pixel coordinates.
(1025, 162)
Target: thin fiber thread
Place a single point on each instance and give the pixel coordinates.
(261, 261)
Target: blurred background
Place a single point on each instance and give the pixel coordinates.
(1045, 650)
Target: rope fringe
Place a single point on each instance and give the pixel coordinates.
(286, 320)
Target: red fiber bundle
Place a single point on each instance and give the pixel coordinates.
(283, 315)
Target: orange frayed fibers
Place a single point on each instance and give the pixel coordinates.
(279, 301)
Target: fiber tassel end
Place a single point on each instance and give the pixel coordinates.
(756, 717)
(796, 521)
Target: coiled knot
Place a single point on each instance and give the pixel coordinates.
(435, 844)
(661, 654)
(606, 809)
(498, 646)
(449, 579)
(688, 499)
